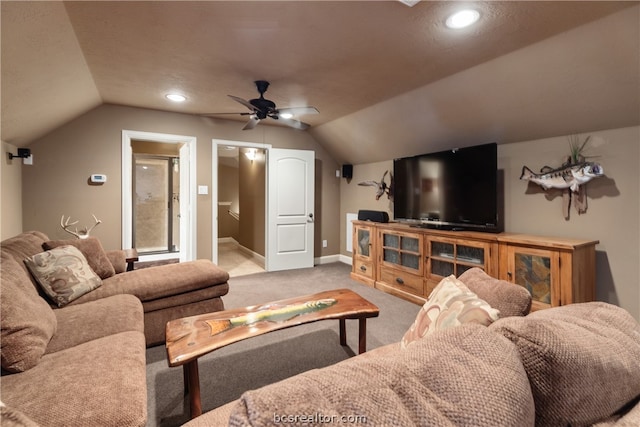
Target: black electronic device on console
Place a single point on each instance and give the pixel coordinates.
(375, 216)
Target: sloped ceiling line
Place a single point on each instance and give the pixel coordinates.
(381, 74)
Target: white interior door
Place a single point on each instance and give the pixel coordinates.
(290, 216)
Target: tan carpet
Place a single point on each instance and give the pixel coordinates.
(225, 374)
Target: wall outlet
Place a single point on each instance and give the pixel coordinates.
(324, 244)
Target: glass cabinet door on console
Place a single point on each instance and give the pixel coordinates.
(402, 250)
(537, 270)
(401, 264)
(450, 256)
(363, 253)
(363, 242)
(556, 271)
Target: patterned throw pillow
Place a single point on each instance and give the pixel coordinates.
(450, 304)
(63, 273)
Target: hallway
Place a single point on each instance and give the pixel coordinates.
(236, 261)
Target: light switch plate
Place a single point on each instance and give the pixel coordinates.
(203, 189)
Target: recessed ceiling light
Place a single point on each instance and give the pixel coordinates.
(463, 18)
(175, 97)
(286, 115)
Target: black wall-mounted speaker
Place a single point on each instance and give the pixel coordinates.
(375, 216)
(347, 171)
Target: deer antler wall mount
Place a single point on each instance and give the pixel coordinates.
(83, 233)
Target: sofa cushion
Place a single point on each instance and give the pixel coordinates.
(118, 260)
(509, 299)
(449, 305)
(149, 284)
(92, 250)
(108, 316)
(583, 360)
(63, 273)
(28, 322)
(99, 383)
(24, 244)
(460, 376)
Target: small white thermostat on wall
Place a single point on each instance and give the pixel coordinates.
(98, 178)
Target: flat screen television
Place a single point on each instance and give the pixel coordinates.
(452, 190)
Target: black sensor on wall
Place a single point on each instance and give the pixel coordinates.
(347, 171)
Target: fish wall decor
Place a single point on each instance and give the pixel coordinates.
(571, 177)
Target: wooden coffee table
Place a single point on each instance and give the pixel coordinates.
(189, 338)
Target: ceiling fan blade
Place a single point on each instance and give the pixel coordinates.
(253, 122)
(243, 102)
(299, 111)
(224, 114)
(294, 123)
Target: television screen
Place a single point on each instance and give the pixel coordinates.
(454, 189)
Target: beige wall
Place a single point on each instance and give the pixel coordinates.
(252, 201)
(57, 182)
(228, 192)
(354, 197)
(612, 216)
(10, 192)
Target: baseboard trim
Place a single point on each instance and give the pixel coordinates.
(328, 259)
(227, 240)
(346, 259)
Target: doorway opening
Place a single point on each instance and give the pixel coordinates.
(279, 200)
(156, 203)
(239, 198)
(171, 158)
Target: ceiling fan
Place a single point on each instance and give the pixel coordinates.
(261, 108)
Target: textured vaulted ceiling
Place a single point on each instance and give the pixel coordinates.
(387, 79)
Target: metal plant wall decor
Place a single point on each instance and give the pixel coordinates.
(571, 177)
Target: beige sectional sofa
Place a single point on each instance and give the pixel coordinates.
(167, 292)
(575, 365)
(84, 364)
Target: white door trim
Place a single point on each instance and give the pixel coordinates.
(214, 188)
(188, 211)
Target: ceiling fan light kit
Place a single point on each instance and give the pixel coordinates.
(262, 108)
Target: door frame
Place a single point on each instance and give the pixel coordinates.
(168, 161)
(214, 189)
(188, 211)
